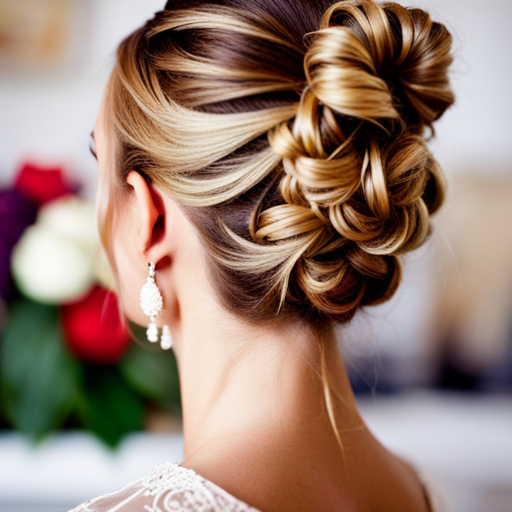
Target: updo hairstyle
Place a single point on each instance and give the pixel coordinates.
(292, 135)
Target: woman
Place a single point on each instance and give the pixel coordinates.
(264, 161)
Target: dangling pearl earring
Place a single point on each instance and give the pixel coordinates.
(152, 303)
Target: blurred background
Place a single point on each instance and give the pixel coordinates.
(83, 410)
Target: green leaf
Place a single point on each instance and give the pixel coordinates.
(38, 378)
(152, 371)
(109, 407)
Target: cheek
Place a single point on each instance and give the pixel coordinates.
(132, 274)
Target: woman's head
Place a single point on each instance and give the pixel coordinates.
(290, 135)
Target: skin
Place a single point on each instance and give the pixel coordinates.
(254, 418)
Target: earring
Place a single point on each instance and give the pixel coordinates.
(166, 340)
(152, 303)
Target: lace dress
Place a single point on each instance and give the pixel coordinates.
(168, 488)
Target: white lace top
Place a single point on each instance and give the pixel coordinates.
(168, 488)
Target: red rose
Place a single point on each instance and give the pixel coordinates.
(42, 184)
(93, 329)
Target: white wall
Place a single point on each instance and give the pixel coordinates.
(475, 135)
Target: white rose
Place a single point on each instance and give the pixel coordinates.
(51, 267)
(74, 219)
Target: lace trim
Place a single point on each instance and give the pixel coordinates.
(169, 488)
(182, 489)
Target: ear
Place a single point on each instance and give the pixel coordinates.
(150, 212)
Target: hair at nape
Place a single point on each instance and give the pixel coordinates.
(292, 134)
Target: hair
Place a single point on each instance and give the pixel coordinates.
(292, 134)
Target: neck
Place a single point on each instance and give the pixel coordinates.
(239, 378)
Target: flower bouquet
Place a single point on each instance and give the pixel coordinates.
(67, 359)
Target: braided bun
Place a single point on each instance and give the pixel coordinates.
(376, 62)
(358, 174)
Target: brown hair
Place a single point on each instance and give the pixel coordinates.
(292, 135)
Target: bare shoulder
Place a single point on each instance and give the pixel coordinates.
(301, 480)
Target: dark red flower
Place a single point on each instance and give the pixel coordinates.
(16, 214)
(43, 184)
(93, 329)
